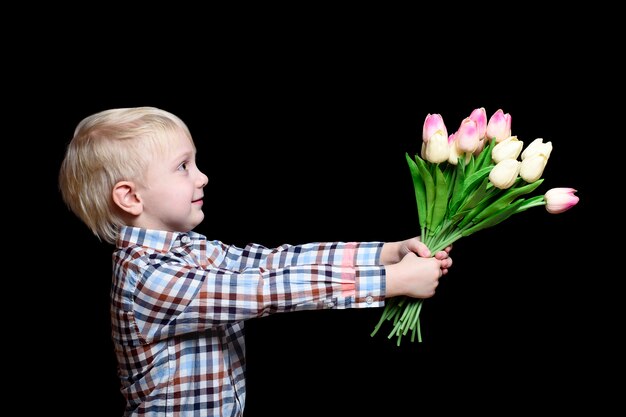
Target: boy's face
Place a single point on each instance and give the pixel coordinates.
(173, 189)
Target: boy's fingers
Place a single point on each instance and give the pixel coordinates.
(421, 249)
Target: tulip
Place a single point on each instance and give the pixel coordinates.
(480, 117)
(532, 167)
(499, 126)
(480, 147)
(559, 200)
(467, 136)
(437, 148)
(537, 147)
(453, 158)
(509, 148)
(504, 173)
(433, 124)
(456, 201)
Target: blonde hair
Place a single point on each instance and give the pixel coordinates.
(108, 147)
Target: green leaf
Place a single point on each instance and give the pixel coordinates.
(506, 198)
(491, 194)
(484, 157)
(468, 189)
(441, 199)
(477, 177)
(429, 186)
(476, 196)
(450, 174)
(494, 218)
(458, 187)
(420, 191)
(471, 166)
(532, 202)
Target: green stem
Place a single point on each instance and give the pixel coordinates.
(447, 241)
(410, 317)
(391, 308)
(537, 201)
(415, 325)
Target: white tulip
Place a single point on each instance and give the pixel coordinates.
(509, 148)
(437, 148)
(454, 155)
(537, 147)
(532, 167)
(504, 174)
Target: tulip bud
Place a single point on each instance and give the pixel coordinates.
(480, 117)
(537, 147)
(437, 148)
(432, 124)
(509, 148)
(499, 126)
(559, 200)
(504, 174)
(467, 136)
(453, 158)
(532, 167)
(480, 147)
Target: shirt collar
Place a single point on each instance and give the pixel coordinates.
(159, 240)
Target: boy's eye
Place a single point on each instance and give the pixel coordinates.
(183, 166)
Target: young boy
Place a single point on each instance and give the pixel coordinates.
(178, 300)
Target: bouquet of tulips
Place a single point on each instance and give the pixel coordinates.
(467, 181)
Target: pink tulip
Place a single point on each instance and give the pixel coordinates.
(467, 136)
(559, 200)
(499, 126)
(432, 124)
(480, 147)
(480, 117)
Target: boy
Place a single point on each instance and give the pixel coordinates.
(178, 300)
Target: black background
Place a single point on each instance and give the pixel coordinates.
(309, 146)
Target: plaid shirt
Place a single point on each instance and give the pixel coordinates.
(179, 303)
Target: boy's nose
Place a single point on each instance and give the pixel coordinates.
(203, 180)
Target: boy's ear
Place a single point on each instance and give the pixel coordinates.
(125, 197)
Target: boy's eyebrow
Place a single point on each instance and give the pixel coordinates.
(185, 155)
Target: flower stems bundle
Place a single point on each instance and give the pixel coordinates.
(466, 182)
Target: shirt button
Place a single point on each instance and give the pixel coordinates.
(185, 239)
(369, 299)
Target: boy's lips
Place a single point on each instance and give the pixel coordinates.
(199, 200)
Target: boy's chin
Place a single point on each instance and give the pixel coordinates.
(197, 219)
